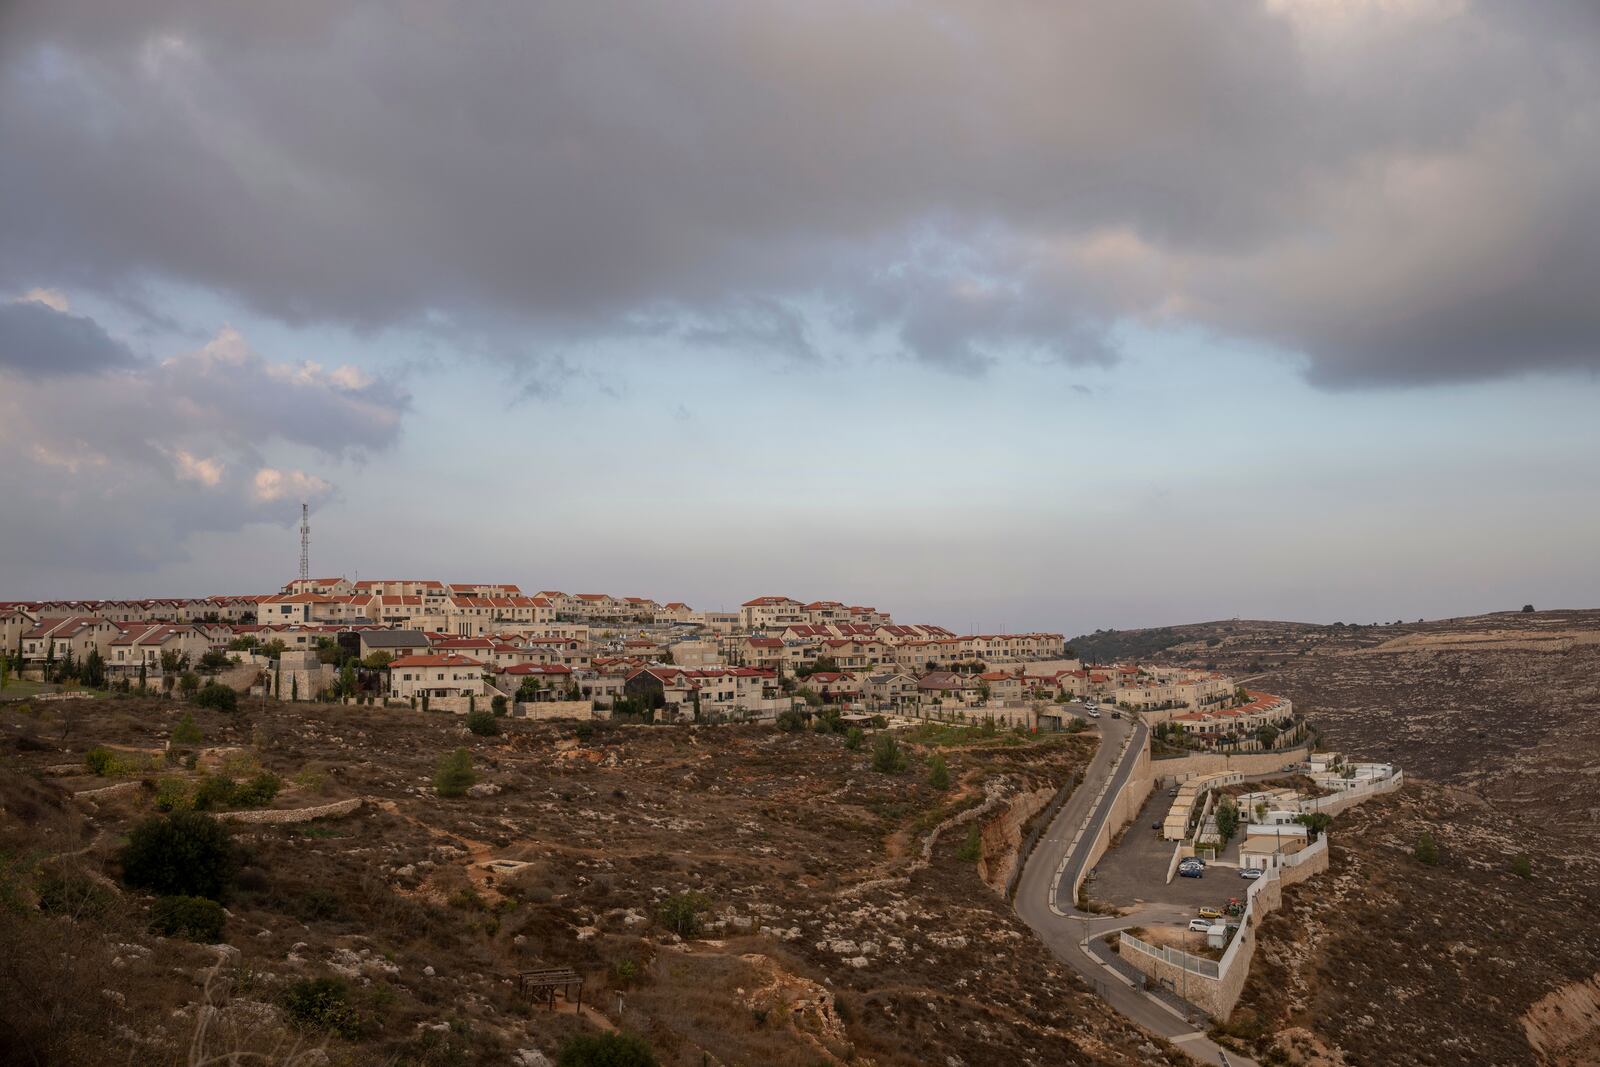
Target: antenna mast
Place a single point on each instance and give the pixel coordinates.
(305, 541)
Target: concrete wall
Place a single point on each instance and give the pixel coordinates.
(1333, 805)
(1129, 799)
(1215, 986)
(1185, 767)
(554, 709)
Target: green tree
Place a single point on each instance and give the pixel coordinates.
(347, 680)
(93, 672)
(186, 732)
(219, 697)
(790, 720)
(1267, 734)
(1227, 816)
(143, 681)
(854, 739)
(528, 691)
(5, 670)
(273, 649)
(294, 687)
(497, 704)
(455, 774)
(377, 660)
(213, 661)
(187, 853)
(680, 912)
(938, 773)
(887, 756)
(189, 683)
(605, 1050)
(483, 723)
(1427, 850)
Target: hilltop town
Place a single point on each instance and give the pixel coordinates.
(552, 653)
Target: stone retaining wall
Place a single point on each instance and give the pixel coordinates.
(1182, 768)
(279, 817)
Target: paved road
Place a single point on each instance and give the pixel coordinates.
(1068, 931)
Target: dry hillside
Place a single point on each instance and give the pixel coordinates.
(822, 940)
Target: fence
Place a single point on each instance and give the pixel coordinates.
(1199, 966)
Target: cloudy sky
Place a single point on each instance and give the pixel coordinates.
(999, 314)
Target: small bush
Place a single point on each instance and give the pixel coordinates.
(101, 761)
(455, 775)
(972, 848)
(214, 793)
(680, 912)
(854, 739)
(187, 853)
(194, 918)
(584, 731)
(257, 791)
(605, 1050)
(322, 1004)
(482, 723)
(218, 697)
(1427, 850)
(172, 794)
(887, 756)
(186, 732)
(790, 721)
(498, 705)
(74, 895)
(311, 780)
(1522, 866)
(938, 773)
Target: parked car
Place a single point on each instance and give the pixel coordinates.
(1209, 912)
(1156, 825)
(1116, 714)
(1094, 713)
(1250, 873)
(1191, 872)
(1200, 926)
(1201, 860)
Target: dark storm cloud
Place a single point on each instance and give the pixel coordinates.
(38, 341)
(1401, 191)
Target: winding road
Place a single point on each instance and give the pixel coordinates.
(1044, 898)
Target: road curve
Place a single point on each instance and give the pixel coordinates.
(1067, 931)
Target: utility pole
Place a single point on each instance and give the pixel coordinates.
(305, 541)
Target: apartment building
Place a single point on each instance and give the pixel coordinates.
(435, 675)
(771, 613)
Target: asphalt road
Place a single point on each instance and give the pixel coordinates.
(1067, 931)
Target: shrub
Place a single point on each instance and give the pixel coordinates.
(194, 918)
(189, 682)
(187, 853)
(887, 757)
(680, 912)
(854, 739)
(972, 847)
(311, 780)
(172, 794)
(73, 894)
(219, 697)
(498, 704)
(584, 731)
(482, 723)
(1427, 850)
(605, 1050)
(322, 1004)
(1522, 866)
(455, 775)
(186, 732)
(102, 761)
(938, 773)
(790, 720)
(214, 793)
(257, 791)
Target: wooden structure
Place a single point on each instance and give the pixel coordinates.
(543, 983)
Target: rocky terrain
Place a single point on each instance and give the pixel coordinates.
(845, 915)
(1390, 960)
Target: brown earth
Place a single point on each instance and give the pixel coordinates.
(816, 946)
(1387, 960)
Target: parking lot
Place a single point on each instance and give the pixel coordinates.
(1135, 871)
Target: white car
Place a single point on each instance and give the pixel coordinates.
(1094, 713)
(1200, 926)
(1250, 873)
